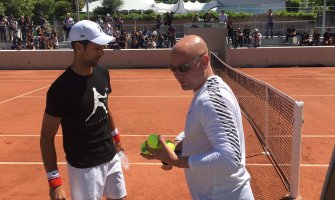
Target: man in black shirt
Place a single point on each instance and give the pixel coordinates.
(78, 100)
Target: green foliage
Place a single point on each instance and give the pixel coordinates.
(235, 15)
(293, 5)
(2, 9)
(61, 8)
(303, 15)
(44, 7)
(18, 7)
(108, 6)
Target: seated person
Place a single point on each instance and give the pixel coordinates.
(238, 38)
(328, 37)
(30, 42)
(304, 39)
(246, 35)
(290, 32)
(257, 38)
(316, 37)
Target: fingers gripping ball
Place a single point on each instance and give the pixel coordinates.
(144, 149)
(153, 141)
(170, 145)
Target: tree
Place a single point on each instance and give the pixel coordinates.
(18, 7)
(61, 8)
(44, 8)
(108, 6)
(2, 9)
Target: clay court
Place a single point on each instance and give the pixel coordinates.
(148, 101)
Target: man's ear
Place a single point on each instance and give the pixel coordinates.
(205, 60)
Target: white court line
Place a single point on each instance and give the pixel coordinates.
(59, 135)
(158, 163)
(131, 80)
(24, 94)
(111, 96)
(124, 135)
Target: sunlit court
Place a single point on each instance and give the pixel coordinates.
(146, 101)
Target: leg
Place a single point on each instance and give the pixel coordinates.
(115, 187)
(86, 183)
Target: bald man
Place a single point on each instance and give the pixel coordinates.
(212, 150)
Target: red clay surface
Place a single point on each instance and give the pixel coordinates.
(144, 102)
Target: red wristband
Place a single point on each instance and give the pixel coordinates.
(53, 183)
(117, 138)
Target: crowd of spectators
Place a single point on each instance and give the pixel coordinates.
(161, 35)
(22, 33)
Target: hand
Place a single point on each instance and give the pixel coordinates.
(164, 154)
(57, 193)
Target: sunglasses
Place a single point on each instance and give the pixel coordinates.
(185, 67)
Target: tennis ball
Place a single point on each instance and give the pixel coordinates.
(144, 149)
(170, 145)
(153, 141)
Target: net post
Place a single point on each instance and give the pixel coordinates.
(296, 150)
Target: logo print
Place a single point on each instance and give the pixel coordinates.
(97, 102)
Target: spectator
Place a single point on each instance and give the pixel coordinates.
(29, 25)
(100, 21)
(119, 23)
(42, 22)
(269, 24)
(3, 27)
(159, 23)
(123, 40)
(67, 24)
(109, 19)
(290, 32)
(328, 37)
(316, 37)
(257, 38)
(22, 28)
(54, 40)
(12, 28)
(168, 18)
(230, 27)
(208, 18)
(171, 33)
(30, 42)
(223, 17)
(108, 28)
(160, 41)
(195, 21)
(238, 38)
(304, 39)
(246, 35)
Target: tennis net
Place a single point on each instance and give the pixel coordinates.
(275, 117)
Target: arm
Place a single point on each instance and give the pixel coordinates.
(49, 129)
(115, 133)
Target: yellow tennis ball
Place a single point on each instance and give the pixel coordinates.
(153, 141)
(144, 149)
(170, 145)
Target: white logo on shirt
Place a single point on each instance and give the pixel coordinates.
(97, 102)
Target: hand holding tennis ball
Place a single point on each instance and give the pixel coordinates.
(144, 149)
(153, 141)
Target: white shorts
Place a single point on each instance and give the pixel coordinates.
(103, 180)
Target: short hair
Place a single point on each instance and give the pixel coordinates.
(83, 42)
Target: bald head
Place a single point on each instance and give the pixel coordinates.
(189, 46)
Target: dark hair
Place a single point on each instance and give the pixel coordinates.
(83, 42)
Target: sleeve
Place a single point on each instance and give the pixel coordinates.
(180, 136)
(218, 119)
(54, 102)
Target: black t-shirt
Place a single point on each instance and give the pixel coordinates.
(81, 102)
